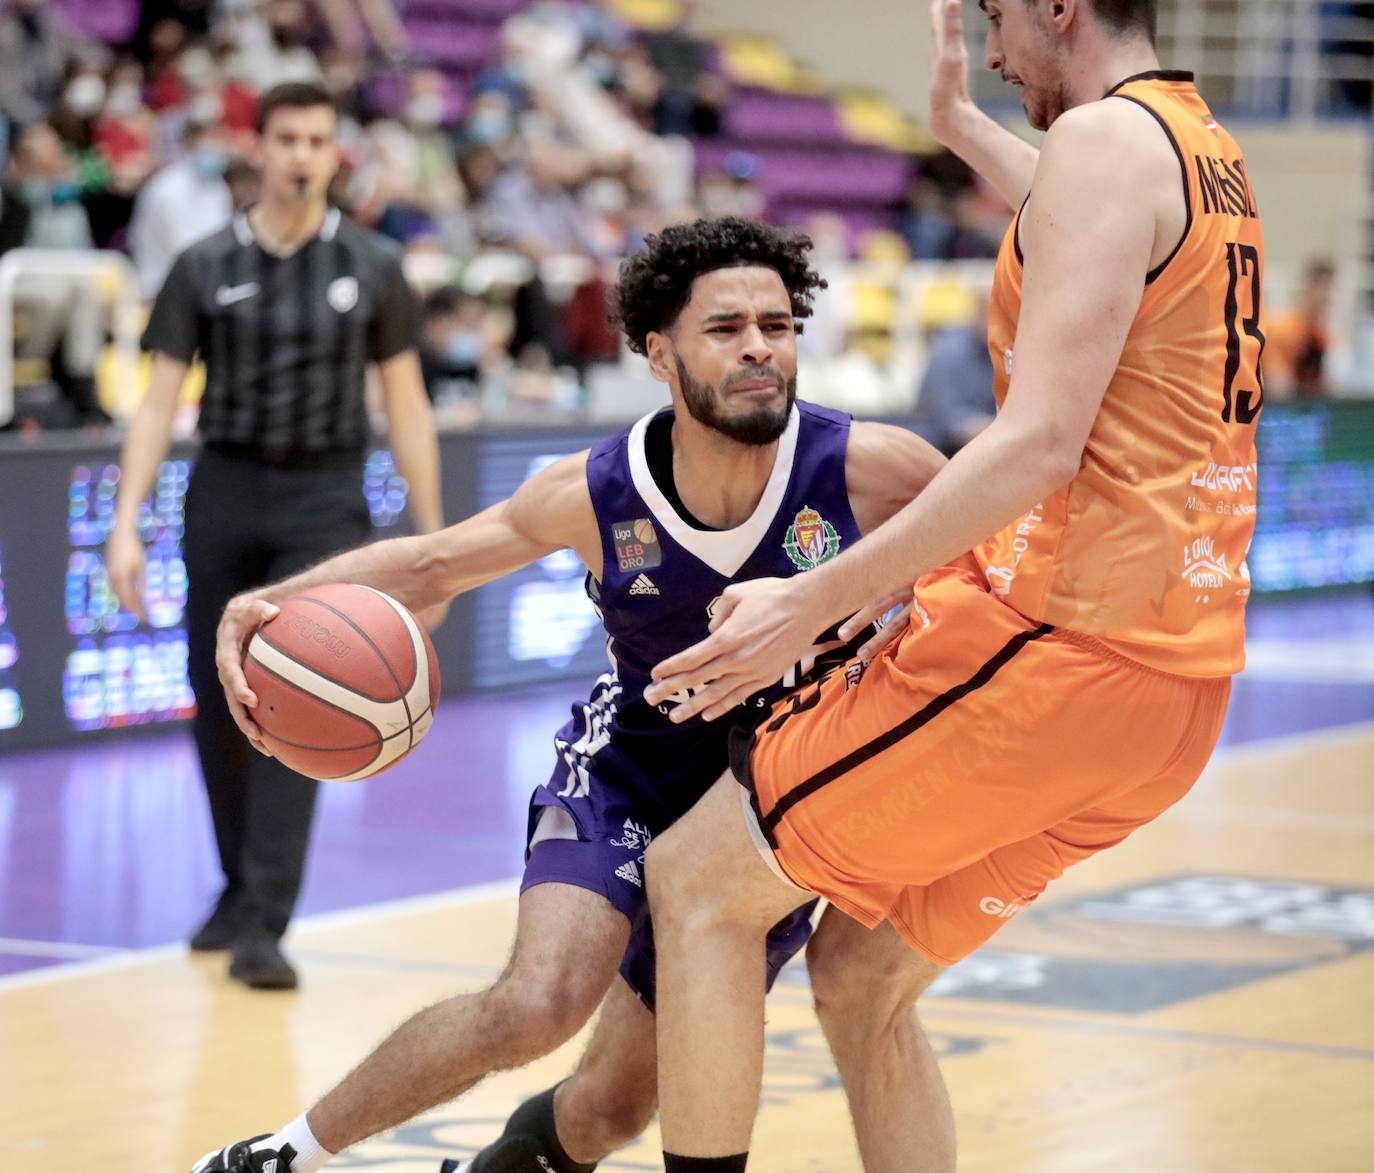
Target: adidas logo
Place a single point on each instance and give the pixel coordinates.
(270, 1166)
(642, 586)
(629, 872)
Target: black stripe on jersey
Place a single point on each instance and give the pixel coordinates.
(1183, 171)
(900, 732)
(1151, 75)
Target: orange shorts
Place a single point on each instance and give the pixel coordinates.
(974, 760)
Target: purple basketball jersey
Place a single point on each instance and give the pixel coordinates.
(660, 578)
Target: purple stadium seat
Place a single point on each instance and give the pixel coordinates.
(453, 42)
(112, 21)
(852, 175)
(760, 116)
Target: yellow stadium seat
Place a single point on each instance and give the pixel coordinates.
(647, 14)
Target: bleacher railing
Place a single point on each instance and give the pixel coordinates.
(113, 275)
(1287, 60)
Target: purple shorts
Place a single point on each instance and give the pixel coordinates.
(597, 840)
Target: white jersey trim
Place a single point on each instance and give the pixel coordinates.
(724, 551)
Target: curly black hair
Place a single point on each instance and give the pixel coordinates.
(656, 282)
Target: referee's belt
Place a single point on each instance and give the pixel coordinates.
(303, 458)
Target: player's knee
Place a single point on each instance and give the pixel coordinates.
(680, 897)
(854, 993)
(539, 1012)
(623, 1116)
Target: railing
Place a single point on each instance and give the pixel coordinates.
(96, 267)
(1274, 59)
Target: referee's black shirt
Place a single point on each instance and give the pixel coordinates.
(286, 340)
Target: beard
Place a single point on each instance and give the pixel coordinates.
(756, 428)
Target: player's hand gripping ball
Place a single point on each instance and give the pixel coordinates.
(346, 681)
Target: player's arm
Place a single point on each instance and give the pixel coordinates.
(414, 442)
(884, 468)
(550, 511)
(1005, 161)
(1088, 239)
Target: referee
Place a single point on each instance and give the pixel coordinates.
(286, 307)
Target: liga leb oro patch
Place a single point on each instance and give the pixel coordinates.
(636, 544)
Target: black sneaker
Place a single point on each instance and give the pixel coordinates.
(240, 1158)
(220, 928)
(510, 1154)
(258, 963)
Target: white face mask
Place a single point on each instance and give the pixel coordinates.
(125, 99)
(84, 95)
(205, 108)
(425, 110)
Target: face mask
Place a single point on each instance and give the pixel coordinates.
(210, 162)
(425, 110)
(489, 126)
(464, 348)
(195, 65)
(124, 101)
(84, 95)
(205, 108)
(36, 191)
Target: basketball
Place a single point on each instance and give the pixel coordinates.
(346, 681)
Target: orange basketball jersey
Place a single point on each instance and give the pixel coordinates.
(1145, 548)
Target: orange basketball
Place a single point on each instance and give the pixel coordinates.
(346, 681)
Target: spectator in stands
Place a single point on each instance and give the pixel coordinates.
(532, 208)
(191, 17)
(185, 201)
(36, 45)
(1298, 338)
(692, 99)
(410, 176)
(955, 401)
(355, 26)
(276, 49)
(64, 314)
(734, 190)
(125, 132)
(455, 350)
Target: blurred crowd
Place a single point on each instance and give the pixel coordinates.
(512, 188)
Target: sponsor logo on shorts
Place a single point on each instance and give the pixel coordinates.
(853, 673)
(629, 872)
(1000, 577)
(636, 544)
(810, 540)
(1002, 909)
(634, 837)
(317, 633)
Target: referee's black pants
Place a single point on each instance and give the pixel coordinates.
(249, 523)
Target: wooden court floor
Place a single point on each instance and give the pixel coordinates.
(1199, 999)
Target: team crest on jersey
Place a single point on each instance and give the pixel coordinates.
(636, 544)
(810, 540)
(342, 294)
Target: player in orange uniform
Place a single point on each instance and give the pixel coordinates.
(1063, 681)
